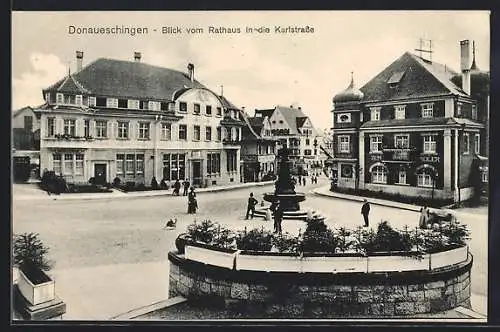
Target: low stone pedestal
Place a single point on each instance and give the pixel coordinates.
(50, 310)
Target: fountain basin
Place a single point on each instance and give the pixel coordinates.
(290, 202)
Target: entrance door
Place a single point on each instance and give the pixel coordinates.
(197, 177)
(100, 174)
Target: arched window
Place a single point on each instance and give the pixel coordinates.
(425, 176)
(379, 174)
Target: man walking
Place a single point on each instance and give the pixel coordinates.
(186, 187)
(365, 211)
(252, 202)
(278, 217)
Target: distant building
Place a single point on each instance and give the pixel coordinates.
(258, 150)
(132, 121)
(415, 129)
(295, 131)
(25, 144)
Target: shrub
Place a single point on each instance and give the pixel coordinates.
(345, 240)
(287, 243)
(255, 240)
(211, 233)
(116, 182)
(30, 252)
(319, 241)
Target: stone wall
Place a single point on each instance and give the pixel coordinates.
(315, 295)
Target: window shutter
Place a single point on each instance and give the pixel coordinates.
(59, 126)
(132, 132)
(174, 132)
(110, 129)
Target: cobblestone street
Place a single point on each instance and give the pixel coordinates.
(106, 248)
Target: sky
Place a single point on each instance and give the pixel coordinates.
(257, 70)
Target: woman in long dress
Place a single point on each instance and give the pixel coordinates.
(424, 217)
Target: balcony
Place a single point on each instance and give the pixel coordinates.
(230, 141)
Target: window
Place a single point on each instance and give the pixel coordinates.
(307, 152)
(139, 164)
(100, 102)
(164, 106)
(213, 163)
(68, 164)
(100, 127)
(86, 128)
(183, 132)
(344, 144)
(208, 110)
(197, 133)
(375, 113)
(70, 127)
(402, 177)
(429, 144)
(315, 152)
(231, 161)
(474, 112)
(123, 130)
(196, 109)
(484, 176)
(144, 130)
(174, 166)
(122, 103)
(56, 163)
(143, 105)
(208, 133)
(401, 141)
(424, 177)
(219, 111)
(133, 104)
(219, 134)
(379, 174)
(399, 112)
(59, 98)
(259, 149)
(47, 97)
(183, 107)
(307, 141)
(51, 127)
(466, 143)
(344, 118)
(166, 131)
(427, 110)
(477, 146)
(375, 143)
(459, 109)
(79, 100)
(92, 101)
(129, 164)
(112, 103)
(154, 105)
(79, 164)
(119, 164)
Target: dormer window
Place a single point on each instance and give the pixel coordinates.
(427, 110)
(154, 105)
(133, 104)
(399, 112)
(59, 98)
(395, 79)
(112, 103)
(92, 101)
(47, 97)
(375, 113)
(122, 103)
(79, 100)
(344, 118)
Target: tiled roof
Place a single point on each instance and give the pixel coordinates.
(21, 110)
(227, 104)
(291, 115)
(417, 78)
(126, 79)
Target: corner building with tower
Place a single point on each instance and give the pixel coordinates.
(416, 129)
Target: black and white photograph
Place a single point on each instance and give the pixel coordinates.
(250, 165)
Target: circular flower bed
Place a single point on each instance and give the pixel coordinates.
(319, 238)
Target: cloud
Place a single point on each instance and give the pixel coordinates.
(45, 70)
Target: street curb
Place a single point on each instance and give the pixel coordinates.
(134, 313)
(146, 194)
(375, 201)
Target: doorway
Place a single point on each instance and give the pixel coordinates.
(100, 174)
(197, 176)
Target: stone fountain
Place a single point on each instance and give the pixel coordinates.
(285, 191)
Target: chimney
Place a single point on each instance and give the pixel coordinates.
(191, 72)
(465, 64)
(137, 56)
(79, 60)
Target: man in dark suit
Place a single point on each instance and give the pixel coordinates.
(365, 211)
